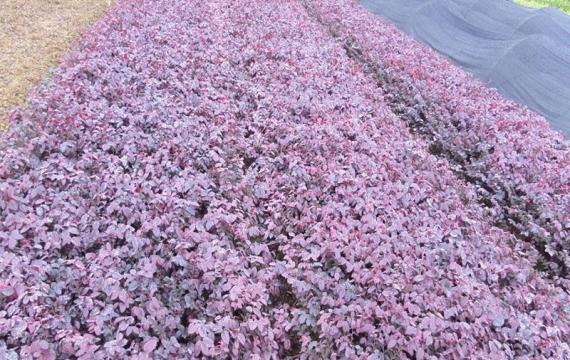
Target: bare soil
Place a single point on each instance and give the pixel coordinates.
(34, 35)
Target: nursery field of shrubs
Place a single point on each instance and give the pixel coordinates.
(255, 179)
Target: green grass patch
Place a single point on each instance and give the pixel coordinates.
(563, 5)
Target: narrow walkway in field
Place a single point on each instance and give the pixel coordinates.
(34, 35)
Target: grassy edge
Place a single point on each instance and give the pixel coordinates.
(563, 5)
(35, 36)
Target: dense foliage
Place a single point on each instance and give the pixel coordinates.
(232, 182)
(521, 168)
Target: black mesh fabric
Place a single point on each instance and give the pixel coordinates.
(524, 53)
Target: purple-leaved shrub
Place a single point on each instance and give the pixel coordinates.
(222, 179)
(520, 167)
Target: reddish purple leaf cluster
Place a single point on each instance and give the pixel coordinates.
(517, 162)
(225, 179)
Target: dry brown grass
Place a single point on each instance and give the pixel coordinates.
(34, 35)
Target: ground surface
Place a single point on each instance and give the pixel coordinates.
(34, 34)
(561, 4)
